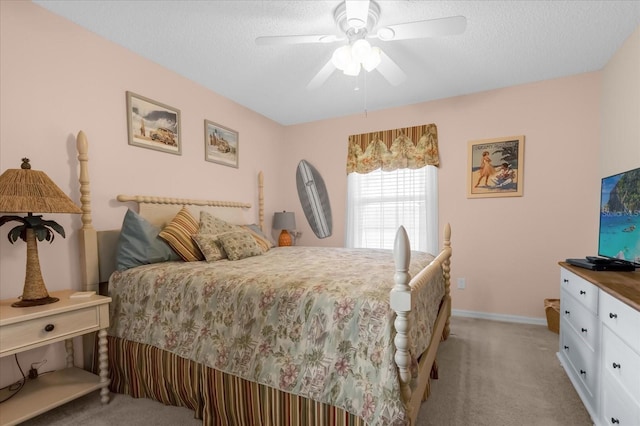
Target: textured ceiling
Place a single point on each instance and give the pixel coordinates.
(213, 43)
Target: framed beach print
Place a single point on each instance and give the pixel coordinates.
(220, 144)
(153, 125)
(495, 167)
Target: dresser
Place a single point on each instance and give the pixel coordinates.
(600, 341)
(22, 329)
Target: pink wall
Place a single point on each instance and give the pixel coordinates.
(57, 78)
(506, 248)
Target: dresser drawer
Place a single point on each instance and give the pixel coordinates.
(583, 322)
(618, 408)
(582, 359)
(621, 318)
(61, 326)
(621, 362)
(581, 289)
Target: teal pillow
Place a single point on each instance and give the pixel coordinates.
(139, 243)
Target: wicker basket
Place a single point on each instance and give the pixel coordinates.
(552, 309)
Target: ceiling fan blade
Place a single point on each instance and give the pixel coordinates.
(357, 13)
(297, 39)
(322, 76)
(421, 29)
(390, 70)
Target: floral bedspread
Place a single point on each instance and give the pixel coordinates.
(312, 321)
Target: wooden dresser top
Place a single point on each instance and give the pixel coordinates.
(624, 286)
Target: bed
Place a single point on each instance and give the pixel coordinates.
(287, 336)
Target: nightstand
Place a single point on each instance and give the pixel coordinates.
(22, 329)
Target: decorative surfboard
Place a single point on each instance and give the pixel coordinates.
(314, 199)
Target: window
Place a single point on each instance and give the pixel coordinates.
(379, 202)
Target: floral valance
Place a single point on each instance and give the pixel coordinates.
(405, 148)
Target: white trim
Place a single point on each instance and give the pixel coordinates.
(499, 317)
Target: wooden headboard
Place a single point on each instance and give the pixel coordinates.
(97, 248)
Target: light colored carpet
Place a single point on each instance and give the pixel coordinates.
(491, 373)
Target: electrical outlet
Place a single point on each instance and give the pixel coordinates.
(33, 373)
(462, 283)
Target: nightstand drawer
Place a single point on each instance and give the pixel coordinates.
(46, 330)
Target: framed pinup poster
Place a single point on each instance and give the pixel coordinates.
(495, 167)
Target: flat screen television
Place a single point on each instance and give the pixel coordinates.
(619, 233)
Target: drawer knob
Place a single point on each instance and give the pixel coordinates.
(612, 315)
(584, 330)
(567, 312)
(583, 372)
(616, 365)
(49, 327)
(583, 292)
(565, 280)
(615, 421)
(566, 348)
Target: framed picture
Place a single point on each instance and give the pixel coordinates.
(153, 125)
(220, 144)
(495, 167)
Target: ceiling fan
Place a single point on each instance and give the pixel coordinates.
(356, 20)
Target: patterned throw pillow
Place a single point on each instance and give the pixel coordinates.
(239, 245)
(263, 241)
(178, 234)
(209, 246)
(212, 227)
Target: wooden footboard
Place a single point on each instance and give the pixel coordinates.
(401, 303)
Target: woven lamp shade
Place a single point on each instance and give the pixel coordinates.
(31, 191)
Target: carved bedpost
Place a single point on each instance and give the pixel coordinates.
(446, 272)
(261, 201)
(88, 235)
(400, 301)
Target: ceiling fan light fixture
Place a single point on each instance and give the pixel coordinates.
(341, 57)
(353, 69)
(360, 50)
(386, 33)
(373, 59)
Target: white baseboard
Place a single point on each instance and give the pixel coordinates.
(499, 317)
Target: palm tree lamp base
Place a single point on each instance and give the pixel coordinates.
(26, 190)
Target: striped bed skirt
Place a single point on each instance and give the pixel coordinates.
(144, 371)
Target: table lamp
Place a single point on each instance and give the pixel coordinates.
(31, 191)
(284, 221)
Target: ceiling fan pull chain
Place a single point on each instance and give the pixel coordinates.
(365, 94)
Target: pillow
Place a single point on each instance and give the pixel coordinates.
(178, 234)
(239, 245)
(209, 246)
(212, 227)
(261, 238)
(139, 244)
